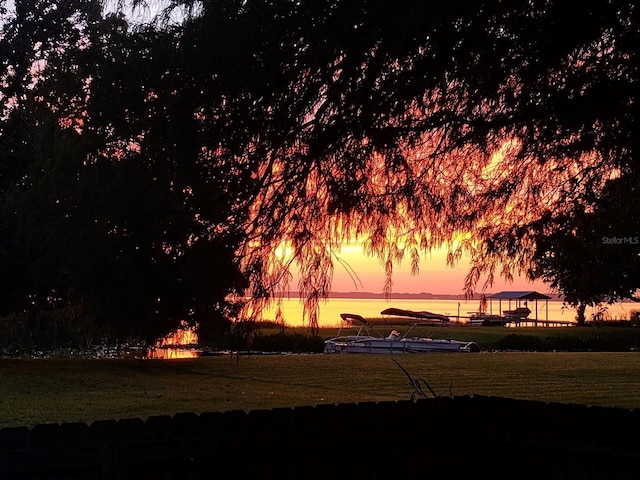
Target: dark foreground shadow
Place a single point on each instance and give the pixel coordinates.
(461, 437)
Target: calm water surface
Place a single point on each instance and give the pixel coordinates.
(331, 309)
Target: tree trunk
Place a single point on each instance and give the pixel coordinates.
(580, 316)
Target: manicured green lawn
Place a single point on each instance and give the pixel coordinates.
(69, 390)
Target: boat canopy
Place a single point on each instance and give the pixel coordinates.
(354, 317)
(423, 315)
(521, 298)
(526, 295)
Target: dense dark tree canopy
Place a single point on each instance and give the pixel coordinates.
(415, 125)
(269, 133)
(106, 204)
(591, 255)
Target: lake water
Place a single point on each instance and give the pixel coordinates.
(331, 309)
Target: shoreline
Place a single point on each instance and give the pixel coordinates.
(406, 296)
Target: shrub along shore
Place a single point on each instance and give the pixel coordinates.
(619, 338)
(271, 337)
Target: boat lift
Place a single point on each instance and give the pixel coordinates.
(521, 299)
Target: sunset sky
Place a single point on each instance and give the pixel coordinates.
(435, 276)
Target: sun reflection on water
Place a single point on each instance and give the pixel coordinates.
(180, 344)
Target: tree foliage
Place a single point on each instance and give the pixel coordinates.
(420, 125)
(271, 133)
(591, 254)
(110, 208)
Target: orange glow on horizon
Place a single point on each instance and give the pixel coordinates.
(358, 271)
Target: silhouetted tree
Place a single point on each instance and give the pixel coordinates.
(593, 256)
(112, 207)
(258, 125)
(25, 46)
(412, 126)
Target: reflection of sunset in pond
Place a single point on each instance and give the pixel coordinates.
(179, 344)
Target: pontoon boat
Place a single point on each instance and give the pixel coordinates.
(365, 341)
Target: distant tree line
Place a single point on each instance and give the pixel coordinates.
(153, 173)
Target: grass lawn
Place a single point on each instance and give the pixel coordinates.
(36, 391)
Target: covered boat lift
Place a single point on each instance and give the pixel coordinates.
(521, 300)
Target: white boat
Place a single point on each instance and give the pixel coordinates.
(365, 340)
